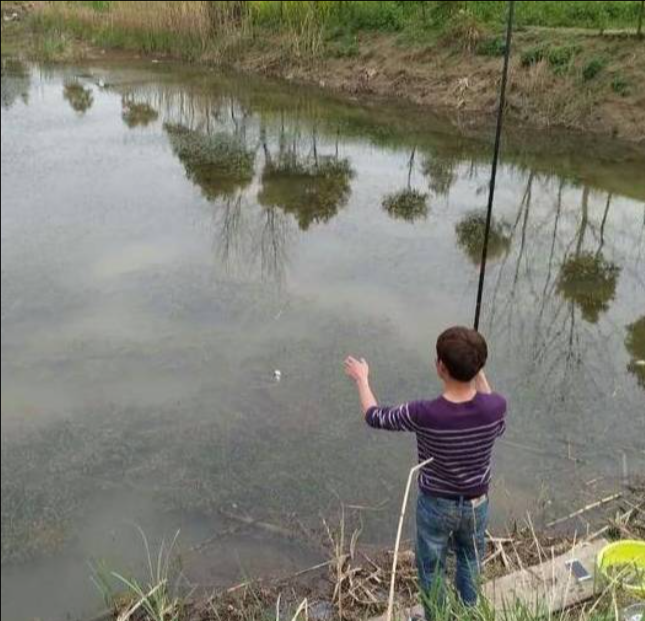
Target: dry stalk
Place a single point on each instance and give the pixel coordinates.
(399, 532)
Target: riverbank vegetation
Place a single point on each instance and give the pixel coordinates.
(351, 585)
(313, 29)
(191, 27)
(578, 65)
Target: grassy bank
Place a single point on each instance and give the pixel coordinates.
(191, 28)
(576, 64)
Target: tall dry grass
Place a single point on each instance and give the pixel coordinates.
(191, 19)
(184, 28)
(189, 28)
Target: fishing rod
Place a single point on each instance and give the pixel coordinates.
(496, 152)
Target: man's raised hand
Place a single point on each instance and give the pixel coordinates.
(358, 370)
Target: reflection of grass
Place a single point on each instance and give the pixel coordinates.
(15, 82)
(635, 344)
(589, 281)
(219, 164)
(78, 97)
(408, 205)
(312, 192)
(138, 114)
(470, 236)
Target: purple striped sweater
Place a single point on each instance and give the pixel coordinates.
(458, 436)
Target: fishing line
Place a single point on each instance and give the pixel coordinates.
(493, 177)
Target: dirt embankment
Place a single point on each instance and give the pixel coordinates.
(559, 78)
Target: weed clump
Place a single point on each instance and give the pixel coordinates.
(620, 86)
(533, 55)
(493, 47)
(464, 29)
(593, 68)
(561, 57)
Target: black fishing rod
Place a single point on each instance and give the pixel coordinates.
(496, 152)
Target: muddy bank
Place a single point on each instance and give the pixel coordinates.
(353, 583)
(464, 82)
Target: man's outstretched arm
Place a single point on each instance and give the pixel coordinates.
(389, 418)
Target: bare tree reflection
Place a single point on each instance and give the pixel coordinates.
(247, 238)
(587, 279)
(522, 217)
(79, 97)
(562, 280)
(230, 227)
(440, 172)
(407, 204)
(635, 344)
(274, 243)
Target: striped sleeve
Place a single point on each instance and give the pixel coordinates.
(503, 406)
(398, 418)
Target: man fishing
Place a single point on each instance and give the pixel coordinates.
(457, 430)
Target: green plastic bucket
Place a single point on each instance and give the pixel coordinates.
(623, 562)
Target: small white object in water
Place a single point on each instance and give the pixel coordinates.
(277, 374)
(640, 363)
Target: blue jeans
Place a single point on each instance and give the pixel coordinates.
(440, 523)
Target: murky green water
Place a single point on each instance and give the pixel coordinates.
(170, 238)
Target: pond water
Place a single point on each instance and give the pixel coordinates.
(172, 237)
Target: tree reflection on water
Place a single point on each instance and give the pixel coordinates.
(220, 164)
(312, 188)
(587, 279)
(470, 237)
(79, 97)
(15, 83)
(408, 204)
(441, 173)
(137, 114)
